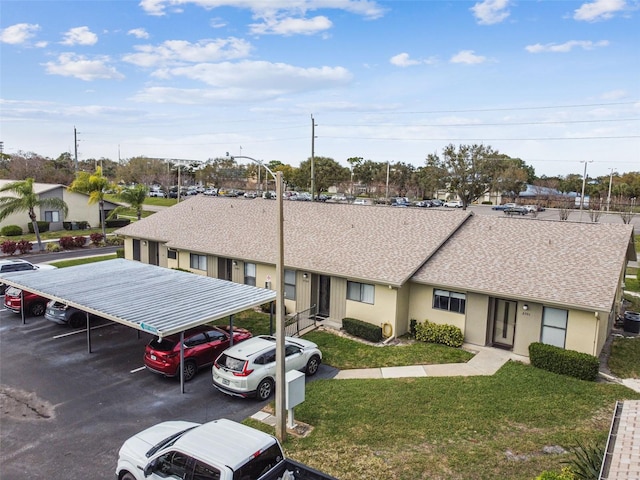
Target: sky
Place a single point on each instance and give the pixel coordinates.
(554, 83)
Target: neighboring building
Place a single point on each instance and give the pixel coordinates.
(506, 282)
(78, 203)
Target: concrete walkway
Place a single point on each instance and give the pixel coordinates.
(487, 361)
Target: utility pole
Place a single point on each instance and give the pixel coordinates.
(584, 181)
(609, 194)
(313, 178)
(75, 147)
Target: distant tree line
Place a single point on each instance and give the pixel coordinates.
(465, 171)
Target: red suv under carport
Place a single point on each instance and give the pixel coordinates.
(35, 304)
(202, 345)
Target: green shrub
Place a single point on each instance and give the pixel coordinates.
(53, 247)
(430, 332)
(565, 474)
(412, 327)
(42, 227)
(565, 362)
(120, 253)
(11, 231)
(364, 330)
(114, 240)
(587, 460)
(487, 202)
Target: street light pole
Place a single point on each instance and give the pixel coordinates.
(281, 429)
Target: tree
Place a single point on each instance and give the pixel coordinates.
(327, 173)
(25, 198)
(95, 185)
(134, 196)
(469, 171)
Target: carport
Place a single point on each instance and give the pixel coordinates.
(145, 297)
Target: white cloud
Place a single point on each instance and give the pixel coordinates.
(291, 26)
(490, 12)
(565, 47)
(181, 51)
(80, 36)
(245, 81)
(217, 22)
(615, 95)
(78, 66)
(18, 33)
(599, 10)
(403, 60)
(467, 56)
(138, 33)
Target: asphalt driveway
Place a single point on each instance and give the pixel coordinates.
(65, 412)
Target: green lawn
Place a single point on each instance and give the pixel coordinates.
(81, 261)
(624, 361)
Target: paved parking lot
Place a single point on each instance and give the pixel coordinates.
(93, 401)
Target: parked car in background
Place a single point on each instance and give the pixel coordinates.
(400, 202)
(63, 314)
(424, 204)
(202, 345)
(360, 201)
(249, 369)
(436, 202)
(157, 193)
(504, 206)
(453, 204)
(517, 210)
(34, 304)
(211, 192)
(534, 208)
(19, 265)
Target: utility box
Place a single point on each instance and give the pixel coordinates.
(295, 388)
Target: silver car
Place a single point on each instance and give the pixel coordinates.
(248, 369)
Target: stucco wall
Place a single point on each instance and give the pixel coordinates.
(477, 319)
(420, 308)
(383, 310)
(582, 334)
(528, 327)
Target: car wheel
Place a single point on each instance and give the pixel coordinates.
(312, 365)
(37, 309)
(127, 476)
(77, 320)
(190, 369)
(265, 389)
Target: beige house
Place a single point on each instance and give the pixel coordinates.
(506, 282)
(78, 203)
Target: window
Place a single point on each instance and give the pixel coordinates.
(172, 254)
(290, 284)
(451, 301)
(202, 471)
(554, 326)
(360, 292)
(198, 262)
(51, 216)
(250, 274)
(171, 465)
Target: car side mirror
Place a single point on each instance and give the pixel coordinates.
(148, 470)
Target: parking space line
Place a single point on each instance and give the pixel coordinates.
(84, 330)
(135, 370)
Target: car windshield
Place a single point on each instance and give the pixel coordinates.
(260, 464)
(170, 440)
(13, 292)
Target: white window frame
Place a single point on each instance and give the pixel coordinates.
(459, 301)
(554, 326)
(250, 274)
(198, 262)
(361, 292)
(290, 284)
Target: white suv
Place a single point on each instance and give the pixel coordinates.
(248, 369)
(19, 265)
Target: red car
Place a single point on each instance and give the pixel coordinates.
(36, 304)
(202, 345)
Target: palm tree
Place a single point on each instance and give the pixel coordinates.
(95, 185)
(134, 196)
(24, 198)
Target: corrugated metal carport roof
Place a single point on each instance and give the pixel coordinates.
(145, 297)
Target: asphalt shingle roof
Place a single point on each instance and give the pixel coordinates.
(373, 243)
(566, 263)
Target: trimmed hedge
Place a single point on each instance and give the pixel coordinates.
(11, 230)
(120, 222)
(81, 225)
(430, 332)
(565, 362)
(42, 227)
(364, 330)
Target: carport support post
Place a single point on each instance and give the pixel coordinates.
(182, 361)
(88, 333)
(230, 330)
(24, 321)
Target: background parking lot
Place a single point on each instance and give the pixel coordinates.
(93, 401)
